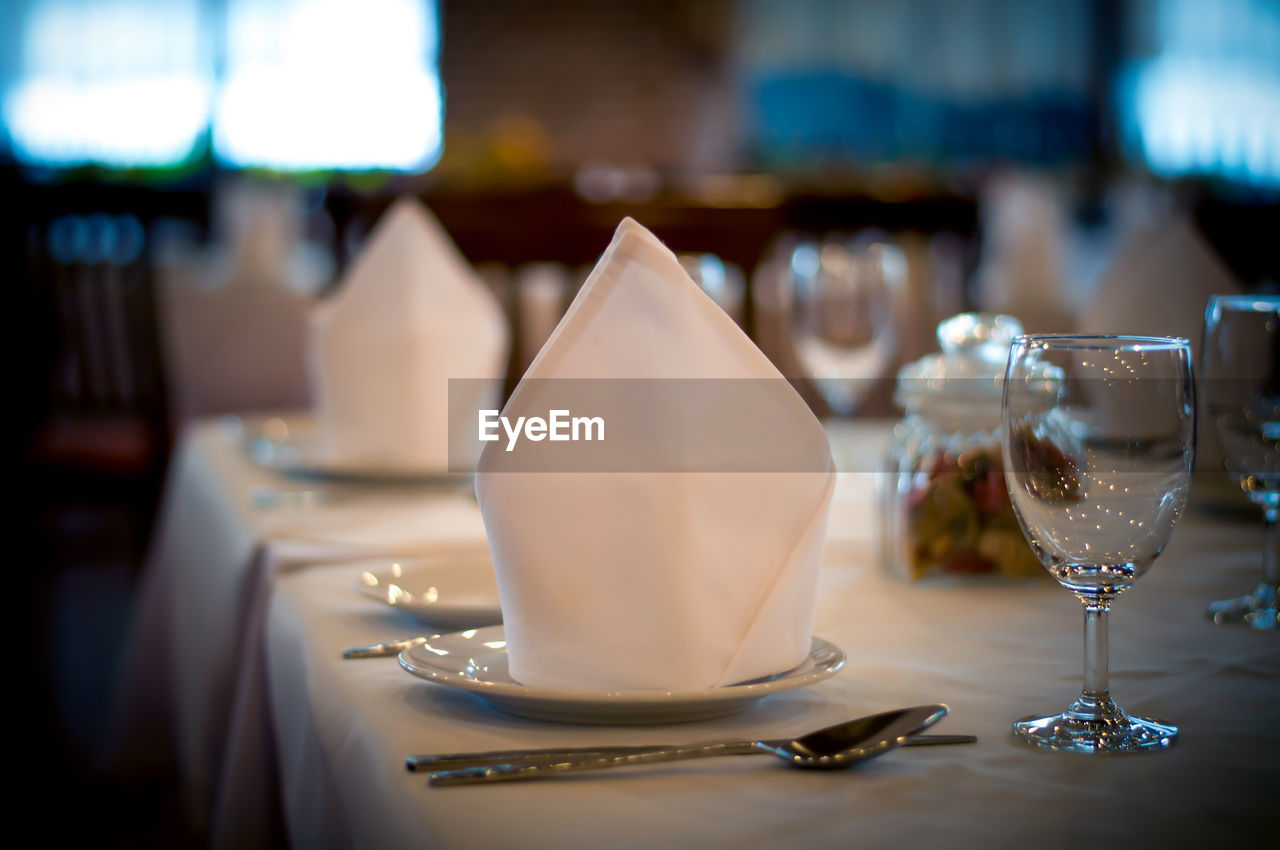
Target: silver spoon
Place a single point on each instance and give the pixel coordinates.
(831, 748)
(450, 761)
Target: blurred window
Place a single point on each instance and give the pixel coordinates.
(320, 84)
(117, 82)
(280, 84)
(872, 81)
(1202, 94)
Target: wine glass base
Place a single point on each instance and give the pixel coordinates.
(1258, 610)
(1095, 725)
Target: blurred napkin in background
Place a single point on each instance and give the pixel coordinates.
(698, 572)
(233, 316)
(1158, 282)
(408, 316)
(1022, 269)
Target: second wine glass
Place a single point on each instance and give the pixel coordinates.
(1098, 436)
(1240, 373)
(842, 315)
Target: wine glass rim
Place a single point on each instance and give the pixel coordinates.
(1104, 342)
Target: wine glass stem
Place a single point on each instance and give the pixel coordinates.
(1095, 646)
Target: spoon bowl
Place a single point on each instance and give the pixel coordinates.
(848, 743)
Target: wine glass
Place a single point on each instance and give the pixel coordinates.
(842, 316)
(1098, 436)
(1240, 376)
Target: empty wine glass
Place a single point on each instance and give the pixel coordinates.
(1240, 376)
(1098, 436)
(842, 318)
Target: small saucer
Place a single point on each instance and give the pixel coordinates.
(295, 452)
(476, 661)
(452, 593)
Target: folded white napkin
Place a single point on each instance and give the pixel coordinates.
(409, 315)
(1022, 268)
(1158, 282)
(692, 574)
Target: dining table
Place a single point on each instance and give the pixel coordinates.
(250, 594)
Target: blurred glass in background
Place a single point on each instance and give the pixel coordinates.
(841, 295)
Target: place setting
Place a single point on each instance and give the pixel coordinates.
(645, 623)
(588, 648)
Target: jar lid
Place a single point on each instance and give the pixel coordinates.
(967, 377)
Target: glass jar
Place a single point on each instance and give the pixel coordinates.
(943, 503)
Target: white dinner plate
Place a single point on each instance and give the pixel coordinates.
(293, 451)
(476, 661)
(453, 593)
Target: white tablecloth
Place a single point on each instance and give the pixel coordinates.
(193, 676)
(321, 741)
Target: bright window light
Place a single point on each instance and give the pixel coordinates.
(122, 83)
(1206, 101)
(326, 84)
(303, 85)
(1193, 120)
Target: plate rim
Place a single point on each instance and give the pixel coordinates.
(295, 456)
(369, 591)
(422, 669)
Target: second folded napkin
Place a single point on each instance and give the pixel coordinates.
(693, 564)
(409, 316)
